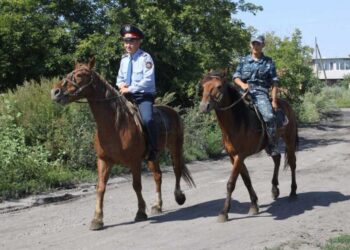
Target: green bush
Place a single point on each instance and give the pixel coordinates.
(26, 169)
(66, 132)
(315, 107)
(42, 144)
(202, 135)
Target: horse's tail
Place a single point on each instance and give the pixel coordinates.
(288, 156)
(186, 175)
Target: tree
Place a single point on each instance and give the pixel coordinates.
(186, 38)
(293, 62)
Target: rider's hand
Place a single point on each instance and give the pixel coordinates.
(245, 86)
(124, 89)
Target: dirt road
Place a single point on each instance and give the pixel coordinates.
(321, 211)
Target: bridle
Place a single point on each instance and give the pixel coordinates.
(78, 89)
(71, 79)
(218, 99)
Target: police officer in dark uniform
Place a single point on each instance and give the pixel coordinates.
(257, 74)
(136, 77)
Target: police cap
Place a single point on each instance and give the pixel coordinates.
(133, 30)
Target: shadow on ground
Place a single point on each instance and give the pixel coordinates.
(280, 209)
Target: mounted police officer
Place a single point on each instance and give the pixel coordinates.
(256, 73)
(136, 78)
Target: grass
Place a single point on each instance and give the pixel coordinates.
(341, 242)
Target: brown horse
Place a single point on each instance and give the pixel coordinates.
(243, 135)
(119, 138)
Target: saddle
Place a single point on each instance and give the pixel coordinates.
(281, 118)
(135, 111)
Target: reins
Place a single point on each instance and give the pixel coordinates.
(234, 103)
(80, 89)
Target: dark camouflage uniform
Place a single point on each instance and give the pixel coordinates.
(260, 75)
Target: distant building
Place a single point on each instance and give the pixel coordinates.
(335, 68)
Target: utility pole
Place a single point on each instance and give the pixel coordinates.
(321, 61)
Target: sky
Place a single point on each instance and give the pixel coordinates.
(327, 21)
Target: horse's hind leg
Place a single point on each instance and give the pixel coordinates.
(275, 190)
(254, 209)
(103, 169)
(136, 184)
(178, 164)
(292, 163)
(157, 175)
(175, 150)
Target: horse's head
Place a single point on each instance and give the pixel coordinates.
(75, 85)
(212, 88)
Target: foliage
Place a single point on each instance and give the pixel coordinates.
(345, 83)
(338, 95)
(66, 132)
(202, 135)
(341, 242)
(315, 107)
(42, 38)
(27, 169)
(293, 62)
(37, 152)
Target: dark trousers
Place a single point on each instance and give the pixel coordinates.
(145, 104)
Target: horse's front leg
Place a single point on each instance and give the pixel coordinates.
(103, 169)
(157, 175)
(231, 184)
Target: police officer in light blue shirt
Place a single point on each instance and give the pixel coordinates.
(136, 78)
(256, 73)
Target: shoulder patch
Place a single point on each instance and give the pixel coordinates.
(149, 65)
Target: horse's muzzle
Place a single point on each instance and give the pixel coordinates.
(205, 107)
(58, 96)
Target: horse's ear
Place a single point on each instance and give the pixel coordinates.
(224, 72)
(76, 64)
(91, 62)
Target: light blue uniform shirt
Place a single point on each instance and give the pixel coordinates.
(142, 79)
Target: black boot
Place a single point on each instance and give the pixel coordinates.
(152, 155)
(272, 147)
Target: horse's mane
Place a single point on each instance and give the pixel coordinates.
(118, 102)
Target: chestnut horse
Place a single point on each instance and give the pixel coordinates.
(243, 135)
(119, 138)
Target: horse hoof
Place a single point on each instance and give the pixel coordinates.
(222, 218)
(180, 197)
(96, 225)
(275, 193)
(156, 210)
(293, 196)
(140, 216)
(253, 210)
